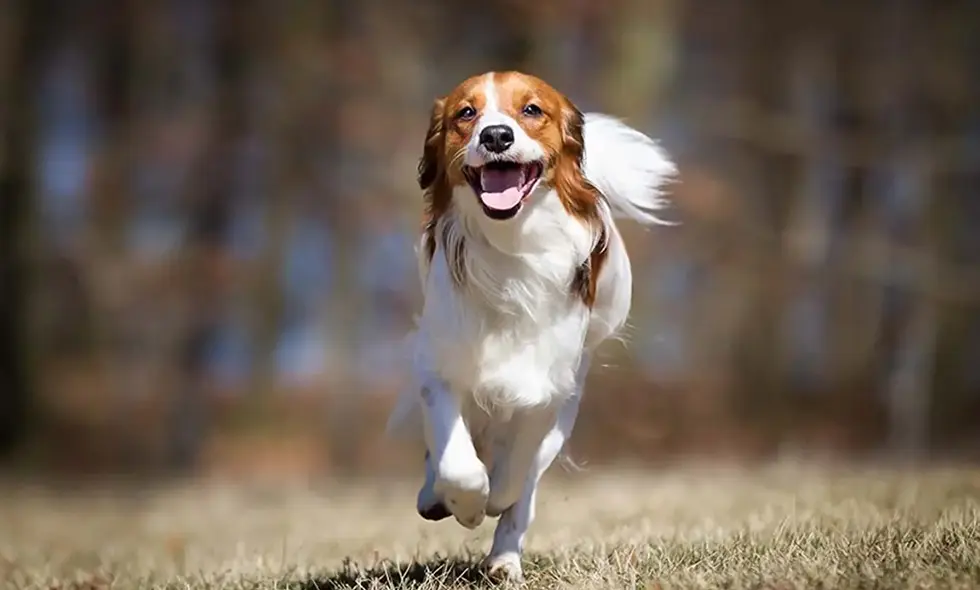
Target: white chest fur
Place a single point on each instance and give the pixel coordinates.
(506, 329)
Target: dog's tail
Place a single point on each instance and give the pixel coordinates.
(627, 167)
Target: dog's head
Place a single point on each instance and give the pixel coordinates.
(503, 136)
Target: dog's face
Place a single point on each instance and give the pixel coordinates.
(502, 135)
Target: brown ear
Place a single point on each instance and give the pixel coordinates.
(576, 193)
(572, 128)
(429, 163)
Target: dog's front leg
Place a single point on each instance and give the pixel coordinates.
(514, 456)
(429, 505)
(460, 477)
(504, 559)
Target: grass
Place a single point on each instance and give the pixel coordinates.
(779, 527)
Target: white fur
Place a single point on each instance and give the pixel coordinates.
(502, 351)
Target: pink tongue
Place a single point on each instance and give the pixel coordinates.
(502, 188)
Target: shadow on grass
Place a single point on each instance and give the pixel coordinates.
(436, 572)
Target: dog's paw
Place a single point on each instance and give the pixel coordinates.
(505, 567)
(429, 505)
(435, 513)
(464, 488)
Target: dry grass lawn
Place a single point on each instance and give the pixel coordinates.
(778, 527)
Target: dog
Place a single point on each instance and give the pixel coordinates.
(524, 274)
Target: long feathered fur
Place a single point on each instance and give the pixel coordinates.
(627, 167)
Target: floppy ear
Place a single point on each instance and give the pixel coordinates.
(575, 191)
(572, 129)
(429, 163)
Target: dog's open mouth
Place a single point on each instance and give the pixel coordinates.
(503, 186)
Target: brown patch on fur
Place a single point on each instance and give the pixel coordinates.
(586, 279)
(456, 259)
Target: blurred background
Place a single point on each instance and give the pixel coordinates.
(209, 208)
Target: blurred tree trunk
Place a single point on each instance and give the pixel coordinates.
(811, 224)
(641, 40)
(210, 215)
(716, 241)
(902, 204)
(956, 375)
(285, 43)
(111, 44)
(20, 45)
(769, 32)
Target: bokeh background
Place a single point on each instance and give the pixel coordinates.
(209, 209)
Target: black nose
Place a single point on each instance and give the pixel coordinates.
(497, 138)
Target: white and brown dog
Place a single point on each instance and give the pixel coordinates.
(524, 274)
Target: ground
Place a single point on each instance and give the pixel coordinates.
(777, 527)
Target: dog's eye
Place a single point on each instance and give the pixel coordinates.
(466, 113)
(532, 110)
